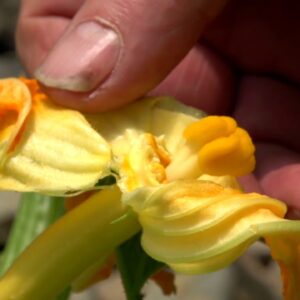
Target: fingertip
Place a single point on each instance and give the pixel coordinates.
(202, 79)
(89, 102)
(116, 56)
(278, 172)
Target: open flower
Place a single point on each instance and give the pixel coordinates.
(175, 172)
(147, 143)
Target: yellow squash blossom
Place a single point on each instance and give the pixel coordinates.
(175, 173)
(144, 143)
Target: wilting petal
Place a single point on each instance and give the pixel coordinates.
(15, 105)
(198, 226)
(61, 151)
(285, 249)
(165, 279)
(58, 151)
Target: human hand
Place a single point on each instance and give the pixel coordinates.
(110, 51)
(246, 64)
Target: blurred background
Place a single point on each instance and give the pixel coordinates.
(253, 277)
(9, 65)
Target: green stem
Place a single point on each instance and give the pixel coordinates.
(36, 212)
(84, 280)
(69, 247)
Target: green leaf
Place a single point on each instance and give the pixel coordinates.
(64, 295)
(135, 267)
(108, 180)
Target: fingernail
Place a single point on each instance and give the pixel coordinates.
(82, 59)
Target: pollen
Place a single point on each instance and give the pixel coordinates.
(158, 150)
(232, 155)
(208, 129)
(222, 147)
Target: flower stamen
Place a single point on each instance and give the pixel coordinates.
(216, 146)
(145, 162)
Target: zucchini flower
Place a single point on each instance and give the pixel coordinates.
(144, 144)
(175, 179)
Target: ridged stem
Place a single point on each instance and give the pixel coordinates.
(35, 213)
(68, 247)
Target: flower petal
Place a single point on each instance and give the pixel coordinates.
(15, 104)
(285, 249)
(147, 115)
(200, 226)
(58, 153)
(165, 279)
(54, 148)
(194, 238)
(142, 141)
(170, 118)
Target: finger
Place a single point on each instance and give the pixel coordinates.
(278, 171)
(250, 184)
(202, 80)
(121, 49)
(269, 110)
(40, 25)
(259, 36)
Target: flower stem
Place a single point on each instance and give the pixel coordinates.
(68, 247)
(36, 212)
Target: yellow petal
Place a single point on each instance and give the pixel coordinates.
(143, 142)
(160, 116)
(67, 152)
(225, 181)
(199, 226)
(170, 119)
(58, 152)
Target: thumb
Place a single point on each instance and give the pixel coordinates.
(115, 51)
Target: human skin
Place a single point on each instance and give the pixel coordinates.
(243, 62)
